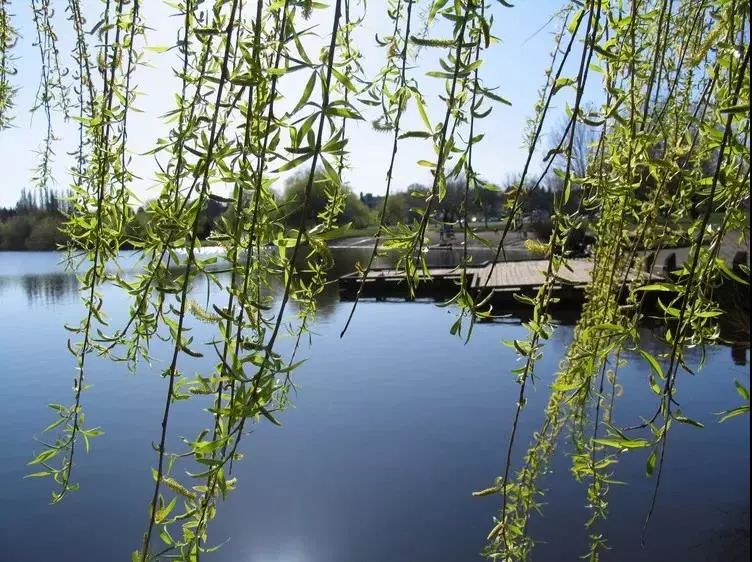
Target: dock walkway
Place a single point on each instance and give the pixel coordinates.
(502, 278)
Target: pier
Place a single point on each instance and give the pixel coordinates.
(501, 279)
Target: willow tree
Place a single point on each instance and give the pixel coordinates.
(672, 80)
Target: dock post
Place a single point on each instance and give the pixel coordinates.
(649, 262)
(669, 265)
(740, 259)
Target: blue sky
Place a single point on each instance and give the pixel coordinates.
(516, 66)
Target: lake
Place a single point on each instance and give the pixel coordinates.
(393, 427)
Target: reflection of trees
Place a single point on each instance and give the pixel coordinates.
(729, 542)
(5, 284)
(49, 288)
(326, 301)
(739, 355)
(733, 298)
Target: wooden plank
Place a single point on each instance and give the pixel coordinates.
(503, 275)
(532, 273)
(398, 274)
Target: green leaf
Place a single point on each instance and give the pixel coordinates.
(244, 79)
(268, 415)
(187, 350)
(523, 348)
(486, 492)
(436, 7)
(165, 511)
(562, 83)
(604, 52)
(44, 456)
(496, 97)
(688, 421)
(623, 443)
(344, 80)
(741, 390)
(159, 49)
(347, 112)
(165, 536)
(728, 272)
(653, 363)
(54, 424)
(658, 287)
(294, 163)
(728, 414)
(422, 111)
(650, 465)
(306, 92)
(41, 474)
(439, 74)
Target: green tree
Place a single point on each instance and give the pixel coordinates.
(323, 194)
(14, 232)
(46, 234)
(396, 211)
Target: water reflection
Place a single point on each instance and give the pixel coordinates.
(44, 281)
(730, 542)
(395, 425)
(739, 355)
(41, 289)
(50, 288)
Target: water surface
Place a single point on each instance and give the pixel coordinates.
(392, 429)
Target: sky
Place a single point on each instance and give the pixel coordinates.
(516, 65)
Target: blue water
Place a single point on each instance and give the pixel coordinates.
(392, 429)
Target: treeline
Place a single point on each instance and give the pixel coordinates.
(488, 203)
(484, 205)
(34, 223)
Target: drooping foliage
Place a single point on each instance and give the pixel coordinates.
(669, 151)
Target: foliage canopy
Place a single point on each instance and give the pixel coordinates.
(673, 76)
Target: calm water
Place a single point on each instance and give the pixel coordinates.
(393, 428)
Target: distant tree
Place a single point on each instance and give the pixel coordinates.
(531, 198)
(210, 214)
(356, 212)
(489, 199)
(14, 232)
(292, 202)
(450, 208)
(396, 209)
(582, 148)
(135, 230)
(45, 234)
(34, 222)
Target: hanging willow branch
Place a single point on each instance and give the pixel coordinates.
(8, 37)
(670, 154)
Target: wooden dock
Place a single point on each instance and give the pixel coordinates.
(502, 279)
(531, 273)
